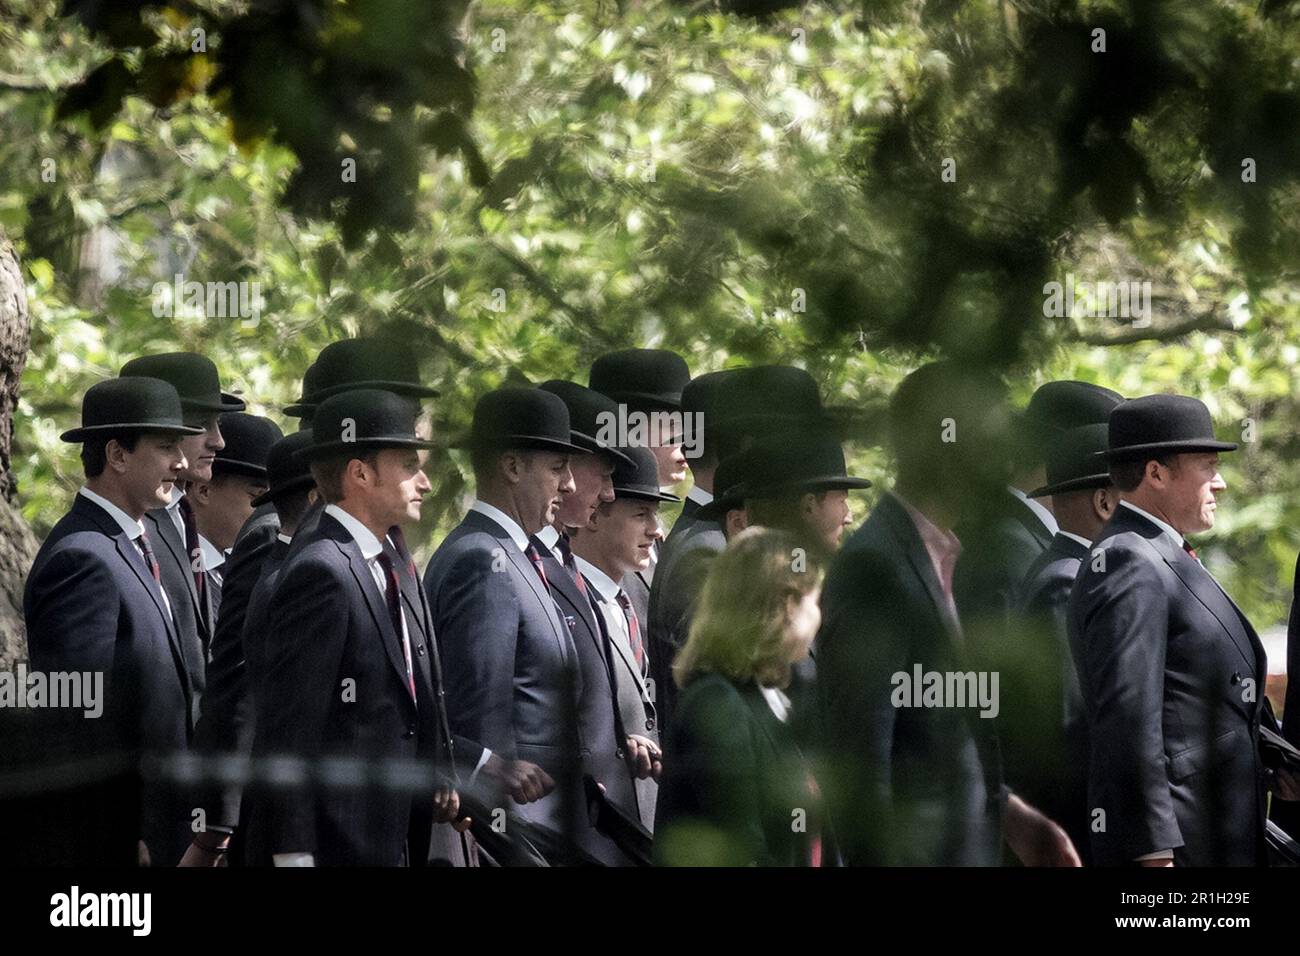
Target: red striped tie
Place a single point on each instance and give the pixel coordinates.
(633, 629)
(392, 597)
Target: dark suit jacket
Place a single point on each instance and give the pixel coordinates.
(1284, 813)
(178, 582)
(683, 563)
(733, 783)
(997, 550)
(509, 662)
(1044, 730)
(91, 605)
(905, 785)
(225, 724)
(336, 686)
(600, 727)
(1168, 666)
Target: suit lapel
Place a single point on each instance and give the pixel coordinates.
(162, 520)
(375, 602)
(621, 646)
(919, 558)
(1202, 584)
(1029, 520)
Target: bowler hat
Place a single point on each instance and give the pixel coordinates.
(590, 413)
(1056, 407)
(728, 487)
(129, 405)
(762, 399)
(248, 441)
(648, 379)
(638, 476)
(362, 363)
(1076, 461)
(286, 470)
(193, 376)
(300, 408)
(364, 419)
(524, 418)
(796, 462)
(1157, 424)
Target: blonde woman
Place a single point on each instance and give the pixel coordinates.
(737, 791)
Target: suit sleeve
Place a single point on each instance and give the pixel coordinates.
(308, 618)
(864, 640)
(476, 619)
(72, 619)
(1122, 619)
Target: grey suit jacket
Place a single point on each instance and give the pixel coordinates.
(183, 595)
(636, 709)
(511, 669)
(1173, 680)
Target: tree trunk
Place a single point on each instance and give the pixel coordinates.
(17, 543)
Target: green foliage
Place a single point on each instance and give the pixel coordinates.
(739, 189)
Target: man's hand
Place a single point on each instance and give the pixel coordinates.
(644, 757)
(524, 781)
(142, 854)
(207, 849)
(1036, 840)
(446, 805)
(1285, 784)
(1158, 862)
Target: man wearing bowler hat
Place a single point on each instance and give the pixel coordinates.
(223, 504)
(1172, 672)
(1045, 734)
(648, 383)
(239, 666)
(175, 527)
(616, 540)
(349, 672)
(94, 604)
(512, 674)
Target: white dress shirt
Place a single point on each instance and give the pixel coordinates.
(1075, 537)
(699, 495)
(508, 523)
(549, 537)
(130, 527)
(777, 702)
(174, 510)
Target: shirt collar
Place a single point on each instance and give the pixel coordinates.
(281, 536)
(607, 587)
(509, 524)
(369, 544)
(699, 495)
(1164, 526)
(213, 557)
(132, 528)
(777, 702)
(177, 494)
(938, 542)
(1075, 537)
(1040, 512)
(548, 536)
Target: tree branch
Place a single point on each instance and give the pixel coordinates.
(1207, 322)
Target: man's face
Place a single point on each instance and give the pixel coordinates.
(200, 450)
(545, 480)
(592, 485)
(150, 472)
(224, 504)
(827, 515)
(398, 486)
(666, 444)
(628, 532)
(1190, 485)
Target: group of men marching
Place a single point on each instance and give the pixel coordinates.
(250, 593)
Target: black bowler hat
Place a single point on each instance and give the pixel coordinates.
(1076, 461)
(728, 486)
(363, 419)
(764, 399)
(1157, 424)
(648, 379)
(287, 470)
(1056, 407)
(193, 376)
(524, 418)
(590, 413)
(638, 476)
(362, 363)
(248, 441)
(129, 405)
(300, 409)
(796, 462)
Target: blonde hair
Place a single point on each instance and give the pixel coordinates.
(739, 627)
